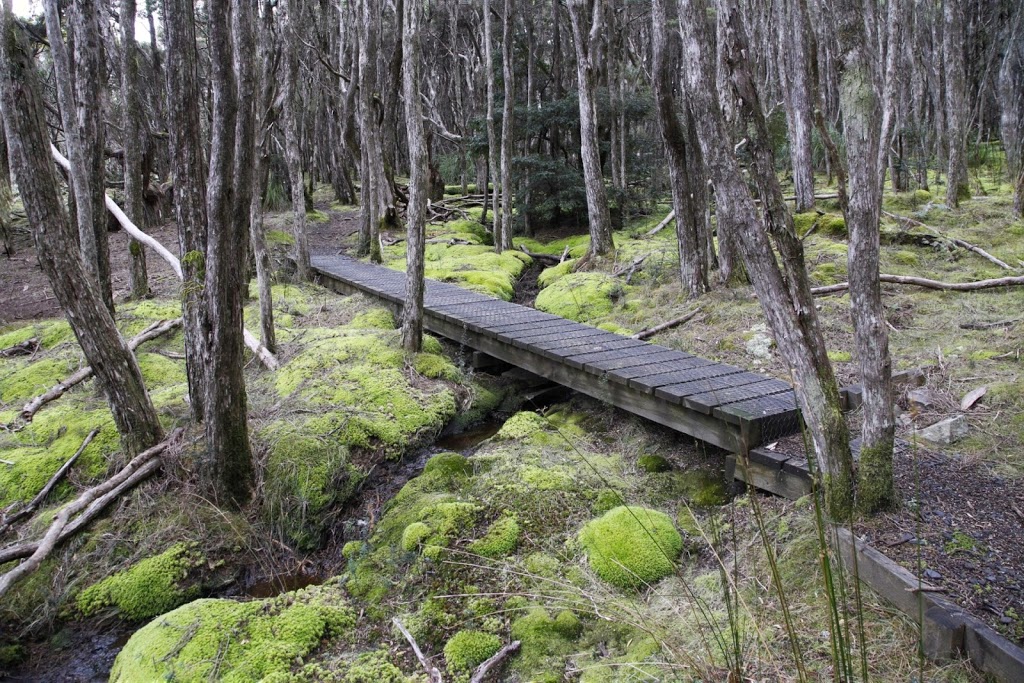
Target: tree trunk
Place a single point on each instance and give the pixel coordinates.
(507, 126)
(412, 311)
(134, 140)
(796, 335)
(859, 91)
(1011, 96)
(956, 101)
(189, 168)
(689, 215)
(587, 24)
(794, 79)
(115, 366)
(293, 153)
(493, 151)
(5, 197)
(374, 191)
(79, 95)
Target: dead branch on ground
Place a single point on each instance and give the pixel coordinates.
(25, 348)
(928, 284)
(647, 334)
(963, 244)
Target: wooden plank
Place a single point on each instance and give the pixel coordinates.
(527, 340)
(677, 392)
(535, 326)
(651, 354)
(577, 356)
(563, 352)
(707, 401)
(626, 375)
(651, 382)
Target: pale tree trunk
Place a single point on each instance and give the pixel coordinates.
(1011, 101)
(5, 197)
(189, 168)
(690, 215)
(956, 101)
(79, 97)
(293, 153)
(262, 122)
(587, 24)
(412, 311)
(507, 127)
(112, 361)
(796, 334)
(134, 140)
(493, 151)
(796, 90)
(374, 190)
(859, 97)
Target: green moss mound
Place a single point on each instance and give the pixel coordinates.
(581, 296)
(449, 466)
(374, 319)
(828, 224)
(521, 425)
(653, 463)
(147, 588)
(435, 366)
(33, 379)
(500, 540)
(234, 641)
(630, 546)
(543, 639)
(414, 535)
(467, 650)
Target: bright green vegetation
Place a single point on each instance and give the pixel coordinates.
(235, 641)
(468, 649)
(581, 296)
(631, 547)
(147, 588)
(501, 538)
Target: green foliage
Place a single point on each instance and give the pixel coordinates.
(522, 425)
(448, 466)
(374, 319)
(435, 366)
(474, 266)
(542, 639)
(414, 535)
(581, 296)
(840, 356)
(631, 547)
(555, 273)
(501, 538)
(235, 641)
(148, 588)
(828, 224)
(353, 549)
(468, 649)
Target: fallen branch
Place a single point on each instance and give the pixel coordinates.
(89, 504)
(152, 332)
(631, 268)
(8, 521)
(432, 672)
(25, 348)
(958, 242)
(988, 326)
(647, 334)
(264, 354)
(481, 671)
(661, 226)
(929, 284)
(544, 258)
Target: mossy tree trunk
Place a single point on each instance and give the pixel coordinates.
(587, 18)
(507, 125)
(688, 194)
(79, 77)
(956, 101)
(412, 312)
(112, 361)
(860, 102)
(788, 312)
(134, 141)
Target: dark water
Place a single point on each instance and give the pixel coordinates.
(469, 439)
(282, 583)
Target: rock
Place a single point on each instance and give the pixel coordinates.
(946, 431)
(932, 575)
(972, 397)
(904, 420)
(759, 343)
(922, 398)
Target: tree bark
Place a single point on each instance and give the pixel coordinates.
(956, 101)
(1011, 101)
(374, 190)
(795, 332)
(293, 153)
(507, 125)
(79, 96)
(794, 78)
(412, 311)
(134, 141)
(116, 370)
(859, 96)
(493, 151)
(587, 24)
(689, 215)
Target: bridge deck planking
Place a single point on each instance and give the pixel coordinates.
(715, 402)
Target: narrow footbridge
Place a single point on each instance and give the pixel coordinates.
(717, 403)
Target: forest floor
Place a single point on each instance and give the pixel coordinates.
(360, 488)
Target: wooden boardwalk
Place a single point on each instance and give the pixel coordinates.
(718, 403)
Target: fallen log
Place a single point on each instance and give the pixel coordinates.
(480, 675)
(963, 244)
(86, 507)
(631, 268)
(543, 258)
(928, 284)
(152, 332)
(25, 348)
(647, 334)
(263, 353)
(8, 521)
(661, 226)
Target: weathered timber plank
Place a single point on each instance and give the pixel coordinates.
(651, 354)
(707, 401)
(580, 346)
(677, 392)
(703, 427)
(538, 326)
(626, 375)
(577, 355)
(771, 479)
(651, 382)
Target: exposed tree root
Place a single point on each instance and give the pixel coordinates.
(76, 515)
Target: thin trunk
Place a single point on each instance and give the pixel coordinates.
(587, 26)
(859, 91)
(493, 151)
(796, 90)
(375, 192)
(1011, 95)
(412, 311)
(507, 123)
(115, 366)
(956, 101)
(689, 215)
(134, 140)
(293, 153)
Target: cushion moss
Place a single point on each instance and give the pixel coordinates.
(468, 649)
(501, 538)
(631, 546)
(581, 296)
